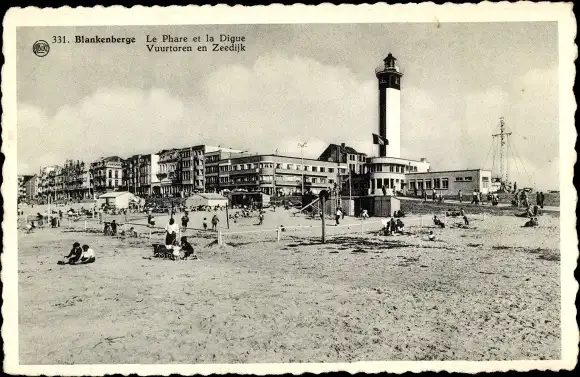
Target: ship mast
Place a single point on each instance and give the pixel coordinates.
(503, 158)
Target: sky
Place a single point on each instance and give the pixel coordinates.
(311, 83)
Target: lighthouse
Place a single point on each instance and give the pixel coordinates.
(389, 79)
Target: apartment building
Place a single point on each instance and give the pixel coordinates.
(22, 179)
(277, 175)
(214, 176)
(107, 174)
(31, 187)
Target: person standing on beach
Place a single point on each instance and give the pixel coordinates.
(460, 195)
(204, 223)
(184, 221)
(261, 218)
(171, 230)
(214, 222)
(338, 215)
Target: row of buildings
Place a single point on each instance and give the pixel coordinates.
(181, 172)
(204, 168)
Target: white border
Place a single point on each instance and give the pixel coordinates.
(326, 13)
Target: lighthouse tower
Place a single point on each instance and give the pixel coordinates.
(389, 79)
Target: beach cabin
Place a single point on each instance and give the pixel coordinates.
(117, 199)
(206, 199)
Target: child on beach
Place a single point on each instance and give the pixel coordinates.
(88, 255)
(74, 256)
(204, 223)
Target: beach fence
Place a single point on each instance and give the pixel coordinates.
(281, 233)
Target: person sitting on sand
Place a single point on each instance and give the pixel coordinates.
(88, 255)
(393, 225)
(400, 226)
(171, 230)
(74, 256)
(187, 249)
(29, 227)
(130, 233)
(364, 215)
(438, 222)
(431, 236)
(531, 222)
(113, 227)
(150, 220)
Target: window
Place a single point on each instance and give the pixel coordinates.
(445, 183)
(351, 157)
(116, 174)
(485, 179)
(248, 166)
(322, 170)
(116, 182)
(428, 184)
(468, 179)
(458, 179)
(437, 183)
(313, 180)
(412, 184)
(391, 168)
(110, 173)
(315, 168)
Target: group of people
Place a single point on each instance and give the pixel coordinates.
(392, 227)
(79, 255)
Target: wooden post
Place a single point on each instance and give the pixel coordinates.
(219, 237)
(85, 225)
(227, 216)
(323, 200)
(149, 232)
(278, 234)
(361, 225)
(421, 222)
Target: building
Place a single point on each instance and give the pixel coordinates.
(345, 155)
(74, 181)
(356, 181)
(213, 174)
(107, 174)
(46, 182)
(31, 187)
(22, 179)
(117, 199)
(277, 175)
(449, 182)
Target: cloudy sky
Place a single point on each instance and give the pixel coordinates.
(295, 83)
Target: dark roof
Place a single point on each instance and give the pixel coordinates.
(347, 149)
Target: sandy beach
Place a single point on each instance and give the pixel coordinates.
(488, 293)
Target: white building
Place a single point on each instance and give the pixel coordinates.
(450, 182)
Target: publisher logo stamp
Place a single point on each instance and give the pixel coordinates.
(41, 48)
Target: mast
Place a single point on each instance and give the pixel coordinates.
(503, 158)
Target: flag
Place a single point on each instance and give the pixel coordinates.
(380, 140)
